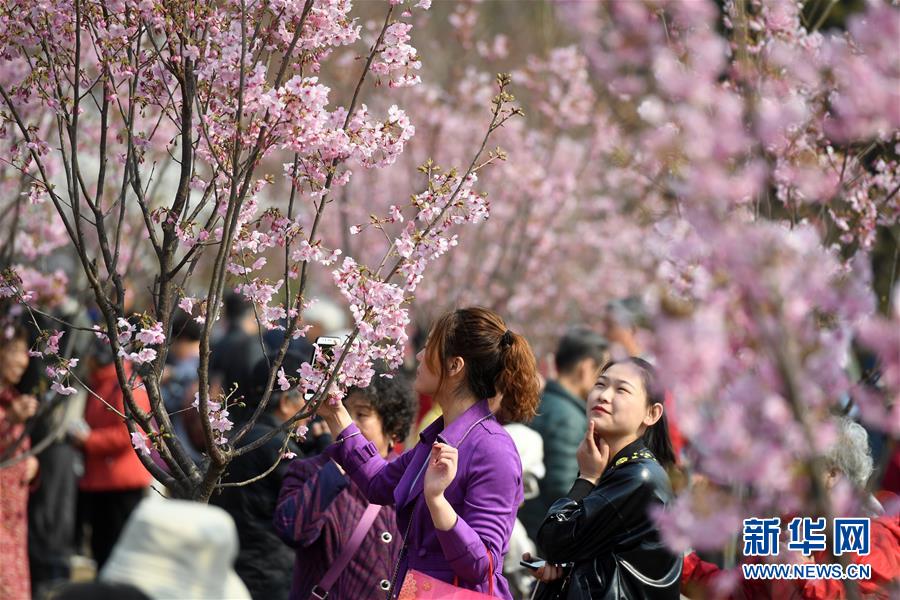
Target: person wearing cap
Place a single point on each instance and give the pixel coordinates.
(264, 562)
(177, 549)
(320, 508)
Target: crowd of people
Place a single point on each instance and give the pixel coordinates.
(478, 471)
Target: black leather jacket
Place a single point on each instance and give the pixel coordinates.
(607, 532)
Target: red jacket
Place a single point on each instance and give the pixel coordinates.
(110, 462)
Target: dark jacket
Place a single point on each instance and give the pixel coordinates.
(561, 421)
(231, 361)
(318, 511)
(264, 562)
(608, 533)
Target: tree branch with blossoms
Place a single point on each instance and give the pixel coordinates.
(132, 86)
(376, 303)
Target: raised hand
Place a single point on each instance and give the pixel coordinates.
(22, 408)
(336, 416)
(441, 469)
(593, 455)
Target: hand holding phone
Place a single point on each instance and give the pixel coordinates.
(326, 345)
(534, 564)
(540, 570)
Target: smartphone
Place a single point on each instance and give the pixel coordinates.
(534, 564)
(326, 345)
(537, 563)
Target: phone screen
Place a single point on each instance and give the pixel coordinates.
(326, 346)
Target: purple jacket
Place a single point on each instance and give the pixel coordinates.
(486, 494)
(318, 510)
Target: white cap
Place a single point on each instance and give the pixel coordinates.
(178, 549)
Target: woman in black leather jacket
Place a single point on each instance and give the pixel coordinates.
(604, 526)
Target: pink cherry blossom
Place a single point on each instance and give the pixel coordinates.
(125, 332)
(52, 346)
(153, 335)
(63, 390)
(139, 442)
(187, 304)
(283, 382)
(719, 177)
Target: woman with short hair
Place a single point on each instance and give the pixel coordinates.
(319, 507)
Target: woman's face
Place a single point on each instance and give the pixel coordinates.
(13, 362)
(369, 422)
(427, 381)
(618, 403)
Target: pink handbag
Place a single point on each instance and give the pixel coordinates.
(419, 586)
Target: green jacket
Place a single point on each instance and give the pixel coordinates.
(561, 421)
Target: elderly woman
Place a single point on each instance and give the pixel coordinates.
(848, 463)
(320, 508)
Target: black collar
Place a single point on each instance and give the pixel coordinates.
(632, 451)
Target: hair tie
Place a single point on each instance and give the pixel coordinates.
(507, 339)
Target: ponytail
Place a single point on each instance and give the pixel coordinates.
(518, 381)
(496, 359)
(657, 440)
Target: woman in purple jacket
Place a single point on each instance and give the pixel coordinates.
(458, 490)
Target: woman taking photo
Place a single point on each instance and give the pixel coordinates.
(319, 511)
(457, 491)
(604, 526)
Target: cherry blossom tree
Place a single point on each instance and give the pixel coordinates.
(200, 141)
(765, 151)
(732, 167)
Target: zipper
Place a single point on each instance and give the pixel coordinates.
(403, 551)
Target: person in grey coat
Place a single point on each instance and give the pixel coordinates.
(561, 419)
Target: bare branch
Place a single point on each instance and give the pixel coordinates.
(264, 474)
